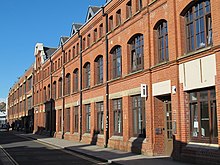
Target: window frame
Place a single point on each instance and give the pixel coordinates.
(76, 119)
(195, 21)
(116, 55)
(100, 117)
(117, 109)
(99, 69)
(136, 51)
(88, 117)
(140, 132)
(198, 102)
(87, 75)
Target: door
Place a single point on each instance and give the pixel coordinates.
(168, 128)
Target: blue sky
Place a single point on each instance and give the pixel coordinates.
(26, 22)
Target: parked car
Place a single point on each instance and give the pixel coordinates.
(4, 128)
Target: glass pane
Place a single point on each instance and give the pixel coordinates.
(204, 95)
(194, 120)
(205, 132)
(135, 121)
(214, 120)
(193, 96)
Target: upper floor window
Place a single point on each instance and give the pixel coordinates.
(45, 94)
(110, 23)
(162, 42)
(101, 30)
(99, 69)
(139, 5)
(198, 26)
(48, 92)
(136, 44)
(88, 40)
(75, 80)
(54, 90)
(95, 35)
(83, 43)
(68, 84)
(60, 87)
(87, 75)
(77, 48)
(128, 9)
(118, 17)
(116, 62)
(74, 51)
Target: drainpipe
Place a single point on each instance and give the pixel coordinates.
(107, 78)
(51, 100)
(63, 84)
(32, 84)
(80, 86)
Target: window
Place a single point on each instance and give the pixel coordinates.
(83, 43)
(69, 55)
(162, 42)
(101, 30)
(45, 94)
(128, 10)
(118, 17)
(67, 120)
(110, 23)
(88, 117)
(118, 122)
(29, 103)
(48, 90)
(198, 26)
(100, 117)
(76, 119)
(68, 84)
(95, 35)
(88, 40)
(116, 62)
(54, 90)
(29, 85)
(138, 5)
(74, 51)
(99, 69)
(77, 48)
(87, 75)
(136, 44)
(59, 120)
(138, 109)
(60, 88)
(59, 64)
(203, 116)
(76, 80)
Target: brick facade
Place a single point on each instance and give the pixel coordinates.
(167, 82)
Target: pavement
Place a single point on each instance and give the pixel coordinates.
(102, 154)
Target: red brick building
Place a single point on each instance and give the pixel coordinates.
(91, 87)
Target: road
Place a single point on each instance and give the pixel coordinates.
(16, 150)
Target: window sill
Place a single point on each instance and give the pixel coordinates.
(86, 134)
(203, 145)
(159, 64)
(117, 137)
(134, 72)
(137, 139)
(114, 79)
(194, 52)
(153, 1)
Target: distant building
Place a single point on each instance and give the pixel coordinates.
(2, 117)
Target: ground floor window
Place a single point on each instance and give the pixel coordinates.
(100, 117)
(76, 119)
(67, 120)
(203, 117)
(138, 109)
(88, 117)
(117, 110)
(59, 120)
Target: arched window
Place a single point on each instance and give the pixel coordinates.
(60, 88)
(136, 51)
(99, 69)
(45, 94)
(68, 84)
(75, 80)
(198, 26)
(116, 67)
(162, 41)
(87, 75)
